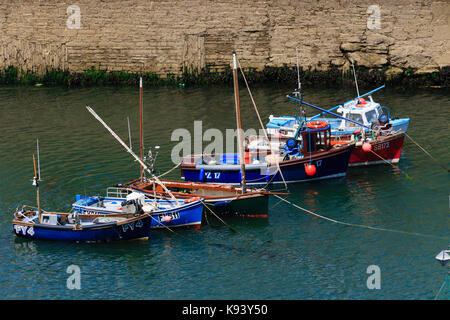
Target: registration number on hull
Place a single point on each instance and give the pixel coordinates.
(172, 215)
(381, 146)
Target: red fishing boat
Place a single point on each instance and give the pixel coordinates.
(377, 143)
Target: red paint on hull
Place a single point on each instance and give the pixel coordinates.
(383, 149)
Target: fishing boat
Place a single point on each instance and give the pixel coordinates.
(315, 159)
(378, 138)
(367, 112)
(222, 199)
(43, 225)
(217, 198)
(35, 223)
(164, 212)
(376, 142)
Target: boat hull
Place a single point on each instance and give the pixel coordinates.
(188, 216)
(331, 164)
(251, 206)
(132, 230)
(385, 151)
(222, 199)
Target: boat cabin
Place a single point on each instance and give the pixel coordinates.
(360, 110)
(316, 137)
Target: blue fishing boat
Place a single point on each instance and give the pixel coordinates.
(35, 223)
(163, 212)
(42, 225)
(313, 159)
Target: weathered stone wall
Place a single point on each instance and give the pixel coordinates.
(167, 36)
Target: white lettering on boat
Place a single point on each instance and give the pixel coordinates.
(132, 225)
(381, 146)
(172, 215)
(24, 230)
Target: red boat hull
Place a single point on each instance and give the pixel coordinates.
(383, 150)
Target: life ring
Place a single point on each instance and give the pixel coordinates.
(316, 124)
(191, 200)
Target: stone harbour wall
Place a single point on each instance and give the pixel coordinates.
(171, 36)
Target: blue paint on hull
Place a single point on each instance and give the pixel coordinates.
(102, 233)
(331, 166)
(187, 215)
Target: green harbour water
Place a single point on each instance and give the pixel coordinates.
(289, 255)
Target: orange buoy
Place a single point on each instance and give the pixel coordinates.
(167, 218)
(366, 147)
(316, 124)
(310, 169)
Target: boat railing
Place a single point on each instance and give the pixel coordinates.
(118, 192)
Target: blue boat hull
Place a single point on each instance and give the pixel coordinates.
(331, 165)
(189, 215)
(132, 230)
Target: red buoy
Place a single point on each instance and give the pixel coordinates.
(310, 169)
(167, 218)
(366, 147)
(362, 101)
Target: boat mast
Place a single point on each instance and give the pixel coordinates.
(36, 183)
(298, 73)
(239, 123)
(129, 133)
(143, 165)
(141, 146)
(356, 81)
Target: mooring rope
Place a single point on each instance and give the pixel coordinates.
(177, 233)
(406, 174)
(440, 290)
(358, 225)
(259, 119)
(167, 172)
(229, 227)
(427, 153)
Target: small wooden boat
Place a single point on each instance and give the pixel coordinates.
(42, 225)
(39, 224)
(222, 199)
(164, 212)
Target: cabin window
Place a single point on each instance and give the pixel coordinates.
(320, 141)
(371, 116)
(354, 117)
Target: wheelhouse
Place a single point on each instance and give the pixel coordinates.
(316, 139)
(360, 110)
